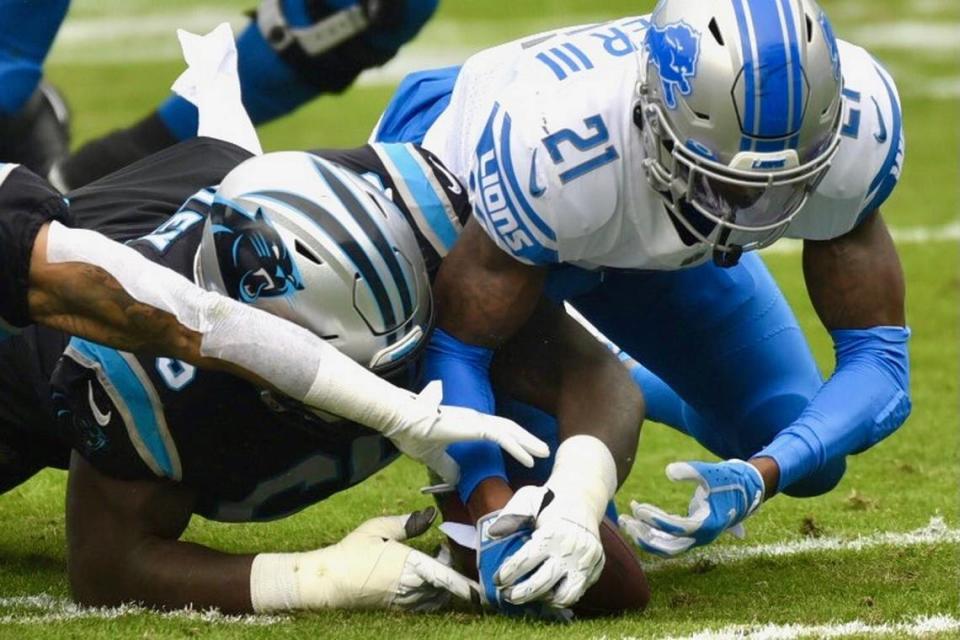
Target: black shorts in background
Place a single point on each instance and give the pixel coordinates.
(27, 202)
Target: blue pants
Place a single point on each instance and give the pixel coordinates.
(27, 30)
(721, 356)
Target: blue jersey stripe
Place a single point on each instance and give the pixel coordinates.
(581, 56)
(749, 83)
(134, 395)
(511, 174)
(557, 69)
(883, 183)
(565, 59)
(423, 192)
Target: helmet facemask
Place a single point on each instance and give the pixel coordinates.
(746, 210)
(724, 187)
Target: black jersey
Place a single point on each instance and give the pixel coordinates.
(27, 202)
(247, 454)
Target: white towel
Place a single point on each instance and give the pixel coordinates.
(212, 84)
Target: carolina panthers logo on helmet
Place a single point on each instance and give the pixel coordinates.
(832, 43)
(675, 50)
(254, 261)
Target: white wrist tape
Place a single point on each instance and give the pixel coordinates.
(362, 571)
(584, 467)
(273, 583)
(295, 361)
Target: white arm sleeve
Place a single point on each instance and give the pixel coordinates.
(292, 359)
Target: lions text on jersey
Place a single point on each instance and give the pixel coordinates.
(542, 131)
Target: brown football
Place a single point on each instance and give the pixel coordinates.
(621, 588)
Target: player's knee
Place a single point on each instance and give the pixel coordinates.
(819, 483)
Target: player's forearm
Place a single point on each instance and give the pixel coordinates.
(90, 286)
(465, 373)
(165, 574)
(556, 365)
(866, 400)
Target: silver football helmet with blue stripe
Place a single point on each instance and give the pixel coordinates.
(740, 107)
(315, 243)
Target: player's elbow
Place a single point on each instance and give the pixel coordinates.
(91, 579)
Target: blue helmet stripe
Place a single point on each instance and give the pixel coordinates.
(749, 78)
(332, 227)
(772, 64)
(796, 75)
(350, 201)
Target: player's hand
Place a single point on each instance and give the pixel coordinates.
(427, 427)
(371, 569)
(726, 493)
(563, 556)
(492, 553)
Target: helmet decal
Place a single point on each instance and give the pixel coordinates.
(675, 50)
(254, 260)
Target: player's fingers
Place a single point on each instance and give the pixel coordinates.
(656, 517)
(432, 393)
(443, 577)
(652, 540)
(526, 559)
(568, 592)
(445, 467)
(397, 527)
(537, 585)
(685, 471)
(516, 441)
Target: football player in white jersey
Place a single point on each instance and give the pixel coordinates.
(628, 168)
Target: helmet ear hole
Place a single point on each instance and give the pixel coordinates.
(809, 27)
(300, 248)
(715, 30)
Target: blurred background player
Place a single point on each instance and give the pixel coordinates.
(290, 52)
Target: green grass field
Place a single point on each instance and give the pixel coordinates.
(113, 76)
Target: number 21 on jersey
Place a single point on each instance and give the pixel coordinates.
(583, 153)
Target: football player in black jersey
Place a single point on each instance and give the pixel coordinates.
(232, 451)
(79, 282)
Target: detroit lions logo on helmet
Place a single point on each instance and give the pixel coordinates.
(254, 261)
(675, 50)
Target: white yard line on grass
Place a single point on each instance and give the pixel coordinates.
(901, 235)
(914, 628)
(936, 532)
(46, 609)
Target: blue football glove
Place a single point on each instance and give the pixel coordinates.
(726, 494)
(491, 554)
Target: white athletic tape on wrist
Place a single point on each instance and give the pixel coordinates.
(357, 573)
(292, 359)
(585, 467)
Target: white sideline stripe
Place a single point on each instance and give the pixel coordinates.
(936, 532)
(917, 627)
(901, 235)
(45, 609)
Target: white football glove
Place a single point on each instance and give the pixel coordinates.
(564, 553)
(368, 569)
(423, 429)
(563, 557)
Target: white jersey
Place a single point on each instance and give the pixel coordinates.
(542, 132)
